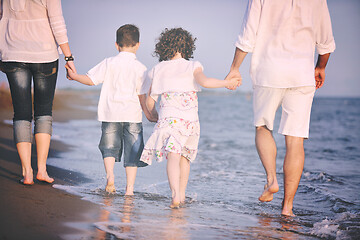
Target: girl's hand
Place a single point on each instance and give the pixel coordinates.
(233, 75)
(233, 83)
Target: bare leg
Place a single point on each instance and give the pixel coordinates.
(24, 150)
(293, 167)
(173, 171)
(42, 148)
(109, 163)
(130, 180)
(266, 147)
(184, 177)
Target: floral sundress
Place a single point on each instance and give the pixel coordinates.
(173, 133)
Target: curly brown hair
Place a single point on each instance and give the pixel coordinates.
(172, 41)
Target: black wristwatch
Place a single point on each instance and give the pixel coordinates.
(70, 58)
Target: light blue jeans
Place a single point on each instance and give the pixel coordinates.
(117, 137)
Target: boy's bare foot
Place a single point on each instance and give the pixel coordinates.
(268, 193)
(175, 205)
(44, 177)
(110, 188)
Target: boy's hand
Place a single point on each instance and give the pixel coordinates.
(70, 73)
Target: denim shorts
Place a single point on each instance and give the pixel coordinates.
(118, 137)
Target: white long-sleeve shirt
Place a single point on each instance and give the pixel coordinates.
(282, 36)
(30, 30)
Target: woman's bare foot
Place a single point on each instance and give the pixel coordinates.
(44, 177)
(26, 181)
(269, 190)
(28, 177)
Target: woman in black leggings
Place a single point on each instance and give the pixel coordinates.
(30, 33)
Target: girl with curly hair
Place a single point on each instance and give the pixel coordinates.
(176, 80)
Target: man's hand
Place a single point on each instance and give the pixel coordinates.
(319, 77)
(234, 74)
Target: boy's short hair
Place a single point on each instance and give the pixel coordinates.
(172, 41)
(127, 35)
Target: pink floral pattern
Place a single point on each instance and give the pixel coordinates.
(171, 134)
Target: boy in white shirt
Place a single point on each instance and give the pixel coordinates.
(121, 100)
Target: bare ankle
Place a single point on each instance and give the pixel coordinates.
(129, 190)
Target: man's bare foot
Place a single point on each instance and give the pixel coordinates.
(44, 177)
(175, 205)
(287, 213)
(287, 210)
(268, 193)
(110, 188)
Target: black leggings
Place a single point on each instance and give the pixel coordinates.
(20, 76)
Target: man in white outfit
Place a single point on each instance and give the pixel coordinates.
(282, 36)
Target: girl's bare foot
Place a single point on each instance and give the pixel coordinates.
(44, 177)
(269, 190)
(175, 205)
(110, 188)
(129, 191)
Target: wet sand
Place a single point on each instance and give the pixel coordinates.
(41, 211)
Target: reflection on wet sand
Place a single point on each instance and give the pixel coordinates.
(176, 228)
(282, 227)
(127, 212)
(104, 217)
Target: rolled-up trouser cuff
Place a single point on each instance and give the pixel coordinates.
(22, 131)
(43, 124)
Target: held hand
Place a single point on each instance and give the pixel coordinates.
(234, 78)
(319, 77)
(154, 117)
(71, 65)
(233, 83)
(70, 74)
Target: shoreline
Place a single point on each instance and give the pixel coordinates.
(41, 211)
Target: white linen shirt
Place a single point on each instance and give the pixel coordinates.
(282, 35)
(122, 77)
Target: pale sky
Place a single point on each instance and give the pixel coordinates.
(92, 24)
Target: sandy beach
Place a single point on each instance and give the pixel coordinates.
(41, 211)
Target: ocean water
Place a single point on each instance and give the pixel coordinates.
(227, 178)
